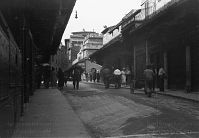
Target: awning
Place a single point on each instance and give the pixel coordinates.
(45, 19)
(105, 47)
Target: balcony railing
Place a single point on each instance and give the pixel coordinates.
(153, 10)
(92, 46)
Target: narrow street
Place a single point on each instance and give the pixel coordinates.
(117, 113)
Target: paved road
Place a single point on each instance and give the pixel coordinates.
(117, 113)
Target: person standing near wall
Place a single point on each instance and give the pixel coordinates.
(128, 76)
(90, 77)
(161, 75)
(123, 76)
(94, 75)
(98, 75)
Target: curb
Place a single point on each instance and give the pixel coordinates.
(160, 93)
(180, 97)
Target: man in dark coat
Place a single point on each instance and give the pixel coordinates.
(76, 77)
(149, 76)
(60, 76)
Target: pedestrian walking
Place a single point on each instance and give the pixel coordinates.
(94, 76)
(149, 75)
(76, 77)
(87, 76)
(128, 76)
(83, 76)
(106, 73)
(60, 76)
(162, 76)
(117, 74)
(53, 77)
(65, 79)
(90, 77)
(98, 75)
(123, 76)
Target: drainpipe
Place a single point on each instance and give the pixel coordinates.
(188, 69)
(147, 52)
(134, 61)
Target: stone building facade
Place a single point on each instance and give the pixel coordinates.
(163, 33)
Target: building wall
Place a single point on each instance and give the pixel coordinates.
(88, 52)
(60, 60)
(177, 67)
(10, 80)
(116, 56)
(149, 7)
(74, 51)
(195, 66)
(91, 44)
(140, 59)
(161, 3)
(77, 39)
(75, 43)
(90, 65)
(108, 36)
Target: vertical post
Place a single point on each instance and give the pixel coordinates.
(23, 65)
(24, 61)
(134, 62)
(31, 66)
(188, 69)
(147, 53)
(165, 68)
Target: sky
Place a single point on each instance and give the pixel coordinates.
(93, 15)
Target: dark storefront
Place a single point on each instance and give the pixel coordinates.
(30, 31)
(167, 40)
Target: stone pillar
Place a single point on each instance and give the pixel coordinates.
(147, 53)
(166, 69)
(188, 69)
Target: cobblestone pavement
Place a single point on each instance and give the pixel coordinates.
(117, 113)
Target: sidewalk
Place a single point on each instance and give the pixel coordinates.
(193, 96)
(49, 115)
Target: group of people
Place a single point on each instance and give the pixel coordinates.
(124, 75)
(52, 78)
(93, 76)
(151, 76)
(60, 77)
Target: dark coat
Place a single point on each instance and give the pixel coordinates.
(60, 76)
(76, 74)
